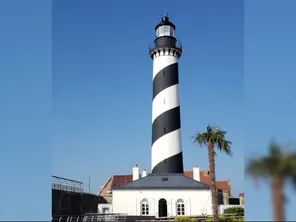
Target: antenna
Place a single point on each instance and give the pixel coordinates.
(125, 174)
(164, 12)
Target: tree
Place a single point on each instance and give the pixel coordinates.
(278, 166)
(212, 138)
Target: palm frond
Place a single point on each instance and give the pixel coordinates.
(277, 163)
(259, 168)
(216, 136)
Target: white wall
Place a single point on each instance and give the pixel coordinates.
(129, 201)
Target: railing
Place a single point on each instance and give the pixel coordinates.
(177, 45)
(198, 218)
(94, 217)
(60, 183)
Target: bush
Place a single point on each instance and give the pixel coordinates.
(184, 219)
(235, 210)
(227, 219)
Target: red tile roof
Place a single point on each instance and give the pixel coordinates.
(117, 180)
(204, 178)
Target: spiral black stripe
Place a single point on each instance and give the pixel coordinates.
(165, 123)
(173, 164)
(165, 78)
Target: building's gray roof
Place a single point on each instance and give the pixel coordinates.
(164, 181)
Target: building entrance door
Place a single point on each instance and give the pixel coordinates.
(162, 208)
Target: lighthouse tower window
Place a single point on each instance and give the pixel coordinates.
(165, 30)
(180, 207)
(144, 207)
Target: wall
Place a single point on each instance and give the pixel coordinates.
(196, 202)
(225, 197)
(72, 203)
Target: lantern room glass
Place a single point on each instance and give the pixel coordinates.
(165, 30)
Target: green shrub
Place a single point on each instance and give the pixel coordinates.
(240, 219)
(209, 219)
(226, 219)
(184, 219)
(234, 210)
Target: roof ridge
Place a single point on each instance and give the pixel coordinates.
(156, 181)
(118, 175)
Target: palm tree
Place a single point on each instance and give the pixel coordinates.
(213, 137)
(277, 166)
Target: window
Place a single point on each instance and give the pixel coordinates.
(105, 210)
(144, 207)
(160, 31)
(165, 30)
(180, 207)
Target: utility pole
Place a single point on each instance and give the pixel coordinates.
(89, 184)
(125, 174)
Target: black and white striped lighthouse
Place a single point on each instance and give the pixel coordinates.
(166, 150)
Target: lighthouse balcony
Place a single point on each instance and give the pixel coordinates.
(163, 43)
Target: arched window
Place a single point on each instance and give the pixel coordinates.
(180, 207)
(144, 207)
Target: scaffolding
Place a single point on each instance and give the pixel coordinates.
(60, 183)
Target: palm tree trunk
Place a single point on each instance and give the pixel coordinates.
(213, 181)
(278, 199)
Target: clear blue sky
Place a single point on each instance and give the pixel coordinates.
(102, 85)
(25, 120)
(270, 105)
(92, 114)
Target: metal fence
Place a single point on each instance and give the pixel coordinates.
(91, 218)
(60, 183)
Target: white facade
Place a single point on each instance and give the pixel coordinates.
(146, 202)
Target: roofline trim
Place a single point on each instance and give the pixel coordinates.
(106, 184)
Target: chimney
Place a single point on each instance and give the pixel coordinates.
(136, 172)
(196, 173)
(144, 173)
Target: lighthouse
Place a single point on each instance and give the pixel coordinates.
(166, 147)
(166, 191)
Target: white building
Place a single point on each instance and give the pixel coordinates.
(162, 196)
